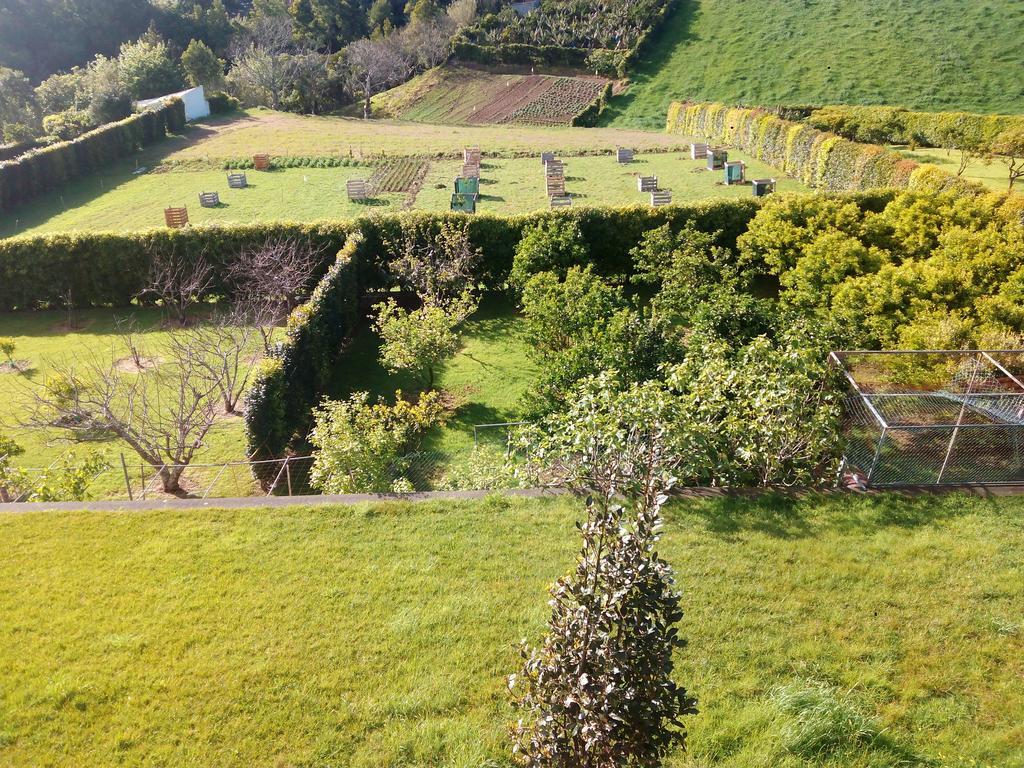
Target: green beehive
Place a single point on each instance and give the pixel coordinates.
(464, 203)
(467, 186)
(735, 173)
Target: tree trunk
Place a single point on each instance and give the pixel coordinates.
(366, 106)
(170, 477)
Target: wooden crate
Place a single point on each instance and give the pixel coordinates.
(467, 187)
(463, 203)
(209, 199)
(661, 197)
(176, 218)
(357, 189)
(471, 171)
(261, 162)
(624, 155)
(471, 155)
(546, 157)
(647, 183)
(554, 168)
(698, 151)
(763, 187)
(237, 181)
(563, 201)
(556, 186)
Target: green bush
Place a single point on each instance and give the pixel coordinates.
(48, 168)
(817, 158)
(221, 103)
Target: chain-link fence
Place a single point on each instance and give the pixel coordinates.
(934, 417)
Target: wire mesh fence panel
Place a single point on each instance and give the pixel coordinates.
(935, 417)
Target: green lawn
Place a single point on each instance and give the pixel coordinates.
(121, 201)
(921, 54)
(380, 635)
(43, 339)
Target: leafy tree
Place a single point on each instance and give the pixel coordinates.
(17, 106)
(421, 340)
(63, 91)
(109, 99)
(437, 261)
(563, 313)
(1009, 146)
(827, 262)
(359, 445)
(687, 267)
(147, 69)
(598, 691)
(462, 13)
(202, 67)
(549, 245)
(264, 67)
(380, 19)
(329, 24)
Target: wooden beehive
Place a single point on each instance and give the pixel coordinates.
(261, 162)
(176, 218)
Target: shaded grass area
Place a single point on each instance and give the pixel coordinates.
(44, 338)
(924, 54)
(843, 631)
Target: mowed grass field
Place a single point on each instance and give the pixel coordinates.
(920, 54)
(513, 182)
(852, 631)
(44, 339)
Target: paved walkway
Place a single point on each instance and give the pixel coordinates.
(253, 502)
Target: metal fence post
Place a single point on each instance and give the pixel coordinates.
(288, 474)
(127, 480)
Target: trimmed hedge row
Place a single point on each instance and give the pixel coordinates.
(290, 385)
(817, 158)
(42, 170)
(109, 269)
(895, 125)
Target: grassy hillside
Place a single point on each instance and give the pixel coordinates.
(381, 635)
(923, 54)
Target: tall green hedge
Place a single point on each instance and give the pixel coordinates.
(895, 125)
(42, 170)
(818, 158)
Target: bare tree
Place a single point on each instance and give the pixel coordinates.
(127, 330)
(375, 65)
(163, 417)
(223, 353)
(269, 280)
(177, 282)
(462, 13)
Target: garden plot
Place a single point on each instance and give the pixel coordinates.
(470, 97)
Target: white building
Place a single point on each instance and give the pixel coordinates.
(196, 105)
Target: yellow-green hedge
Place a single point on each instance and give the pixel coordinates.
(819, 159)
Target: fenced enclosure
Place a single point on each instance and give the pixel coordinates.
(933, 417)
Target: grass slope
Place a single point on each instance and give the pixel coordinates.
(922, 54)
(380, 635)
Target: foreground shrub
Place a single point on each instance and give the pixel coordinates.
(360, 445)
(598, 692)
